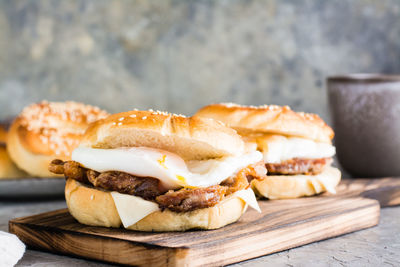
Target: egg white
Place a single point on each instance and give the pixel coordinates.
(172, 171)
(285, 148)
(169, 168)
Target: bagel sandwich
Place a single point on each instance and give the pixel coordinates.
(297, 147)
(156, 171)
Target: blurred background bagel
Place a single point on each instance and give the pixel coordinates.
(47, 130)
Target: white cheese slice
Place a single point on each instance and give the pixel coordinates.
(248, 196)
(330, 189)
(328, 184)
(169, 168)
(132, 209)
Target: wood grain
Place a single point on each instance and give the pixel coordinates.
(385, 190)
(283, 224)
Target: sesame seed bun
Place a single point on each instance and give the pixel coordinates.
(191, 138)
(95, 207)
(260, 126)
(269, 119)
(48, 130)
(294, 186)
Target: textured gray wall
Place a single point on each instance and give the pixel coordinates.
(180, 55)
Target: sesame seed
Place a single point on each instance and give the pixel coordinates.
(158, 112)
(230, 104)
(121, 119)
(144, 117)
(132, 115)
(119, 123)
(47, 119)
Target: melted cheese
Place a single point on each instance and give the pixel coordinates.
(132, 209)
(169, 168)
(277, 149)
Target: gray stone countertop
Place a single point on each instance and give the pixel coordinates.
(377, 246)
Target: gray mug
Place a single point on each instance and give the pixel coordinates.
(365, 109)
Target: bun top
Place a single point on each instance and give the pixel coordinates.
(54, 128)
(269, 119)
(191, 138)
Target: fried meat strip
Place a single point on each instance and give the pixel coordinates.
(298, 166)
(198, 198)
(124, 183)
(145, 187)
(181, 200)
(190, 199)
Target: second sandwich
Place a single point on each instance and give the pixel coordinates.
(296, 147)
(155, 171)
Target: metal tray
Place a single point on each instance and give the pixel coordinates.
(32, 187)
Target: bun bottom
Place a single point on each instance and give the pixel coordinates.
(294, 186)
(7, 168)
(96, 207)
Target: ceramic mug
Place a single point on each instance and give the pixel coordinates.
(365, 109)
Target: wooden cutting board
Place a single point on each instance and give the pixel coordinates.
(283, 224)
